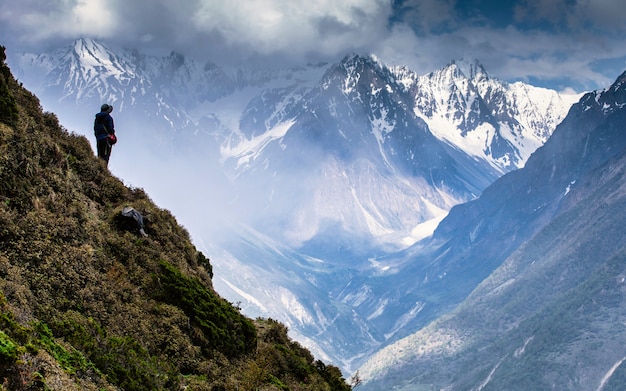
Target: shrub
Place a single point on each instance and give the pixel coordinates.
(8, 348)
(223, 328)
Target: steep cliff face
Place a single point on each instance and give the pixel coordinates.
(86, 302)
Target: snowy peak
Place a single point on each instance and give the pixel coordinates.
(355, 64)
(460, 77)
(98, 71)
(365, 146)
(445, 135)
(608, 100)
(95, 56)
(349, 75)
(472, 70)
(614, 96)
(492, 120)
(87, 72)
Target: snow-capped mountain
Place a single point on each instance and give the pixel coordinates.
(546, 245)
(441, 139)
(503, 123)
(318, 178)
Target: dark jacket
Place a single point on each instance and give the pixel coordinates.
(103, 125)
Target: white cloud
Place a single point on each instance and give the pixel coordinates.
(90, 15)
(39, 21)
(271, 26)
(546, 38)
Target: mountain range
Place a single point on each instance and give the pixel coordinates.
(547, 246)
(316, 190)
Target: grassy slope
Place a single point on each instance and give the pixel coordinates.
(87, 303)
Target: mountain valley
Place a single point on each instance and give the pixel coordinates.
(316, 190)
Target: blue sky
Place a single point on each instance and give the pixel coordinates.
(562, 44)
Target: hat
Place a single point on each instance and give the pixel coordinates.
(106, 107)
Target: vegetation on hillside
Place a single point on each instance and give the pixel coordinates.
(86, 303)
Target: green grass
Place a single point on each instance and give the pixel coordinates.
(8, 349)
(223, 327)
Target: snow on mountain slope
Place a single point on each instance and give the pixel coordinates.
(365, 117)
(86, 70)
(486, 118)
(360, 157)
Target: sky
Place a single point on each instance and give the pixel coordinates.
(568, 45)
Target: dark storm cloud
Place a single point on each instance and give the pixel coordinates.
(539, 40)
(557, 43)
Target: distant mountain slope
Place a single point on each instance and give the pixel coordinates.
(87, 303)
(549, 245)
(376, 153)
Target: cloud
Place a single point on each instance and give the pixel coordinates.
(574, 16)
(36, 21)
(263, 27)
(535, 39)
(426, 16)
(288, 28)
(276, 24)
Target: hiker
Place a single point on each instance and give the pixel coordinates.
(104, 131)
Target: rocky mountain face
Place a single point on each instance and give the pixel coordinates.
(546, 245)
(440, 139)
(319, 178)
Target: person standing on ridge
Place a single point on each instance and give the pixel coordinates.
(104, 130)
